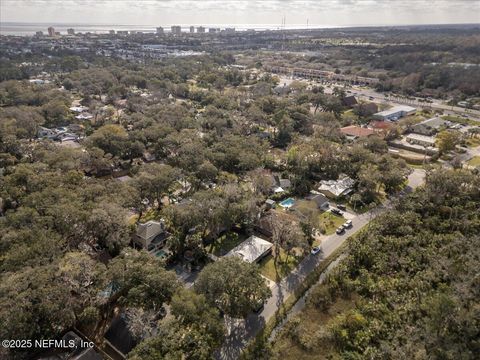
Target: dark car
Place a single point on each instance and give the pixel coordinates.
(258, 308)
(337, 212)
(342, 207)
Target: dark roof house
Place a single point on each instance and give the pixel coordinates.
(349, 101)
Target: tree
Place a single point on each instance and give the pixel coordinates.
(154, 181)
(447, 140)
(233, 285)
(142, 280)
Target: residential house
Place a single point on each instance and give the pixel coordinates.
(336, 188)
(44, 132)
(280, 185)
(353, 132)
(431, 126)
(252, 250)
(321, 201)
(119, 336)
(270, 204)
(349, 101)
(151, 235)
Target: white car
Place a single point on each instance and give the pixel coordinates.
(348, 224)
(315, 250)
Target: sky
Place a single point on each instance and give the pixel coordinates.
(322, 13)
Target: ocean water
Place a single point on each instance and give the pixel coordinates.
(28, 29)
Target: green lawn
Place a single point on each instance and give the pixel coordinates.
(150, 214)
(475, 161)
(326, 221)
(225, 243)
(330, 222)
(473, 142)
(283, 268)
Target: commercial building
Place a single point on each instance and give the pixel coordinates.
(51, 31)
(192, 29)
(39, 33)
(422, 140)
(176, 30)
(160, 30)
(71, 31)
(201, 30)
(395, 113)
(252, 250)
(112, 32)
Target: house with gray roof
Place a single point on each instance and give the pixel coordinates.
(252, 250)
(151, 235)
(430, 126)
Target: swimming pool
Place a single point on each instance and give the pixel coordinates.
(287, 203)
(161, 254)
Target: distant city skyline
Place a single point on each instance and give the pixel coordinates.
(318, 13)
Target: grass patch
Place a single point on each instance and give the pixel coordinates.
(472, 142)
(475, 161)
(225, 243)
(150, 214)
(326, 222)
(330, 222)
(284, 266)
(310, 320)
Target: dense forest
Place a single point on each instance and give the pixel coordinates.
(408, 288)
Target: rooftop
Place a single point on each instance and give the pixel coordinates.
(337, 187)
(357, 131)
(149, 230)
(396, 109)
(251, 249)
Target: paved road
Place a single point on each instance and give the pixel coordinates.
(240, 332)
(365, 93)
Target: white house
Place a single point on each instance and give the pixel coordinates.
(252, 250)
(335, 188)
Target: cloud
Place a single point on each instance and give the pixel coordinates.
(340, 12)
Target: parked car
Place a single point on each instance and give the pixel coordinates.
(340, 230)
(348, 224)
(315, 250)
(337, 212)
(258, 308)
(342, 207)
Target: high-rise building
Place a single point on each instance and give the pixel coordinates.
(39, 33)
(230, 30)
(71, 31)
(192, 29)
(212, 30)
(112, 32)
(51, 31)
(200, 30)
(176, 30)
(160, 30)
